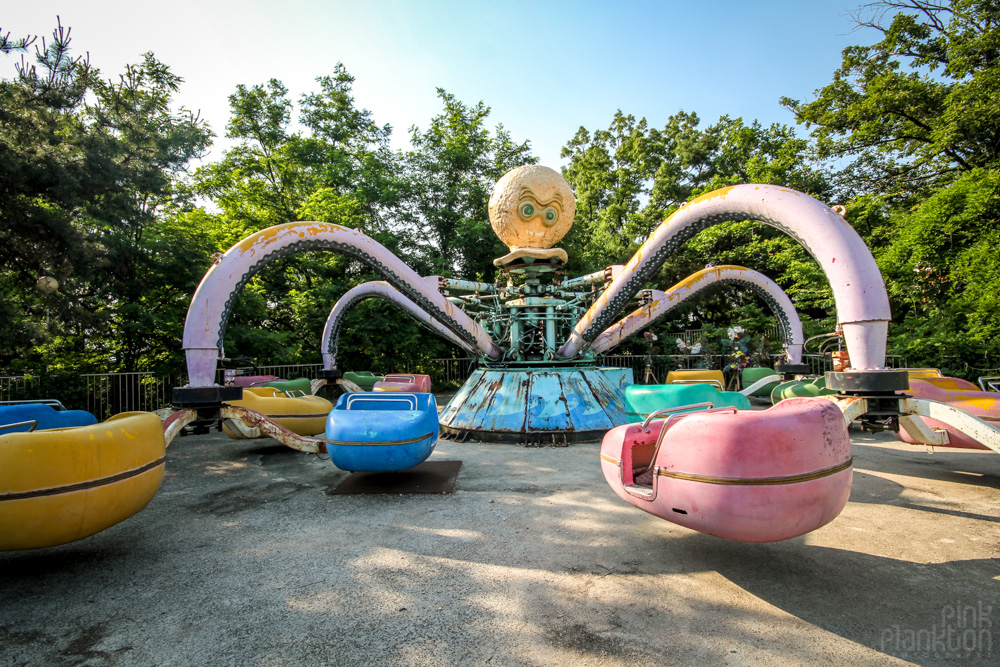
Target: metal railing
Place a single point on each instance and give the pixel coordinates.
(450, 370)
(112, 393)
(661, 364)
(692, 336)
(458, 370)
(107, 394)
(284, 371)
(13, 387)
(820, 364)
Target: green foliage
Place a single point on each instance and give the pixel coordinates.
(941, 271)
(920, 105)
(88, 170)
(94, 192)
(450, 173)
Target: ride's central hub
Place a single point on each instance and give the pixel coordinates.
(536, 312)
(531, 310)
(531, 394)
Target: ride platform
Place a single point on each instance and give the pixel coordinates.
(537, 405)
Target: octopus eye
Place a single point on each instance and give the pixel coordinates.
(550, 216)
(527, 210)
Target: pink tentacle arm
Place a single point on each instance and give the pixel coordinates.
(213, 300)
(862, 304)
(663, 302)
(381, 290)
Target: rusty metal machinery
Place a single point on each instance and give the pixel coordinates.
(531, 395)
(537, 335)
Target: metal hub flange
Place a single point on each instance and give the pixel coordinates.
(868, 382)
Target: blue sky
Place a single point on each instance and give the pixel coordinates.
(545, 68)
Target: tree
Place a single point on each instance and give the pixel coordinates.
(347, 152)
(450, 173)
(86, 167)
(612, 172)
(941, 272)
(920, 106)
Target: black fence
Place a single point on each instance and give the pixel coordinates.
(107, 394)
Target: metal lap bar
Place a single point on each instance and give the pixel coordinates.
(656, 413)
(287, 393)
(399, 378)
(31, 422)
(409, 400)
(274, 392)
(663, 431)
(649, 493)
(51, 402)
(989, 382)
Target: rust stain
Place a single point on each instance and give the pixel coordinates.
(266, 425)
(721, 192)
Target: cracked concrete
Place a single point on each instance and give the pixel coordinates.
(243, 558)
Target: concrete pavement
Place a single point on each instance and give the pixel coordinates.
(244, 559)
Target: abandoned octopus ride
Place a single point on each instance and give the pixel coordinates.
(740, 474)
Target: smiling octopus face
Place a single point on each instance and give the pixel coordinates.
(532, 207)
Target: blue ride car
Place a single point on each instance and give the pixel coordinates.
(381, 431)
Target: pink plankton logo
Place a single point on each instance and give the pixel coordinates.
(962, 631)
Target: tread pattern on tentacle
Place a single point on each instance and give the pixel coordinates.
(331, 347)
(354, 253)
(784, 321)
(350, 303)
(653, 263)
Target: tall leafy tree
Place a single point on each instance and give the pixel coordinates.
(918, 107)
(334, 166)
(917, 117)
(612, 172)
(450, 171)
(86, 167)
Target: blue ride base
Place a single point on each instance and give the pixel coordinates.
(537, 405)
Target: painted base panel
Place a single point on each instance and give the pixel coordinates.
(537, 406)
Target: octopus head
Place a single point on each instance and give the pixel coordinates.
(532, 207)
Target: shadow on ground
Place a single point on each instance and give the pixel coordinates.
(244, 558)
